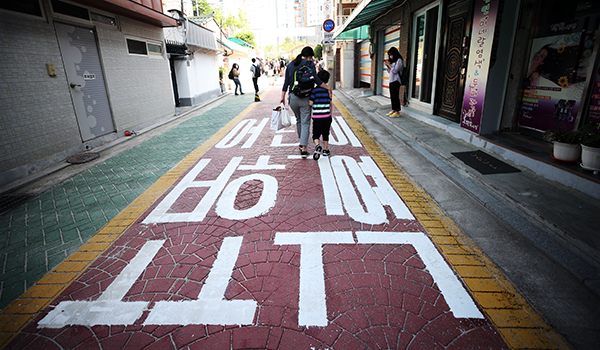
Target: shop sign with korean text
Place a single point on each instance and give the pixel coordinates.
(482, 38)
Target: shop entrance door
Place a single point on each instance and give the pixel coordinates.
(426, 35)
(454, 58)
(86, 80)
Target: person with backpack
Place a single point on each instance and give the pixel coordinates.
(234, 75)
(300, 79)
(394, 69)
(255, 69)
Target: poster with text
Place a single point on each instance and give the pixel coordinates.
(555, 80)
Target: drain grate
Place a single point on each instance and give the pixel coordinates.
(83, 158)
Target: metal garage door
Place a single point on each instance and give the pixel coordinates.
(391, 38)
(365, 62)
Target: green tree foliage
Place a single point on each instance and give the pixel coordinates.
(247, 36)
(201, 7)
(319, 51)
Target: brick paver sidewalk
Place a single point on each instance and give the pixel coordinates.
(41, 233)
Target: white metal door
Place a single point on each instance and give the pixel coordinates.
(86, 80)
(391, 38)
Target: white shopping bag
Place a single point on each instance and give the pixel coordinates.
(285, 116)
(280, 118)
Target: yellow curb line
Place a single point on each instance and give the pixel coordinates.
(26, 307)
(514, 318)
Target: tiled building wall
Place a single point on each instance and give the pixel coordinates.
(37, 119)
(38, 127)
(139, 87)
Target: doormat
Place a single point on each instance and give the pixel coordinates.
(484, 163)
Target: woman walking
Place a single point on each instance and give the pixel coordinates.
(236, 73)
(394, 65)
(300, 79)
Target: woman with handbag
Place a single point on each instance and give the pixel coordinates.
(300, 78)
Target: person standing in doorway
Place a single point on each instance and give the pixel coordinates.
(255, 68)
(235, 73)
(300, 79)
(395, 65)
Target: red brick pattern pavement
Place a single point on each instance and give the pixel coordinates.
(378, 296)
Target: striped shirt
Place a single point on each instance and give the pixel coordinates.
(321, 103)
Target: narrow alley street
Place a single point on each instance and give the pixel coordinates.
(216, 234)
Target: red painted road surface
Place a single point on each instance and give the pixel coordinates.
(229, 272)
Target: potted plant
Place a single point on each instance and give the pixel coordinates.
(590, 146)
(566, 144)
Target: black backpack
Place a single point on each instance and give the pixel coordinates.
(304, 81)
(404, 75)
(230, 76)
(256, 71)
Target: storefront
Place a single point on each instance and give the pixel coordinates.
(560, 82)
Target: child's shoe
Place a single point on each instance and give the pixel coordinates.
(326, 153)
(317, 153)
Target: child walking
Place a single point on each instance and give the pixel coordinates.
(321, 116)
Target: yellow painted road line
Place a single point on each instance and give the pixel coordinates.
(515, 319)
(26, 307)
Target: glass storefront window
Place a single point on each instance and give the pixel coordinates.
(560, 64)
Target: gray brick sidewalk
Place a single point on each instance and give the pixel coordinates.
(42, 232)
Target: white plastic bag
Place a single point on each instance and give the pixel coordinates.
(285, 116)
(280, 118)
(276, 119)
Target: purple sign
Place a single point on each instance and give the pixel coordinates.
(484, 22)
(594, 112)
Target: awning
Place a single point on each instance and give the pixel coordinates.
(149, 13)
(364, 14)
(240, 42)
(360, 33)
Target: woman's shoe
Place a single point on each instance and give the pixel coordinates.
(390, 113)
(304, 154)
(395, 115)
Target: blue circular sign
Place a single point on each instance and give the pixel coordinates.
(328, 25)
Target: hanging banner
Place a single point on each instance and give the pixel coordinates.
(482, 38)
(555, 80)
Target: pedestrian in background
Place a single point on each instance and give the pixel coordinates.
(298, 99)
(235, 72)
(394, 65)
(321, 116)
(255, 68)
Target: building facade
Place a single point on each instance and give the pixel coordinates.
(75, 75)
(478, 62)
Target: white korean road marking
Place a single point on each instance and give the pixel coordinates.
(211, 306)
(108, 309)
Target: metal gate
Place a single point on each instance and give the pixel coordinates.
(391, 37)
(86, 80)
(365, 62)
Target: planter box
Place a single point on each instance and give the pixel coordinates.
(566, 152)
(590, 158)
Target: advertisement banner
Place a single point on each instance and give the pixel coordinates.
(482, 38)
(555, 81)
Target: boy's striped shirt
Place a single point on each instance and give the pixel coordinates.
(321, 103)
